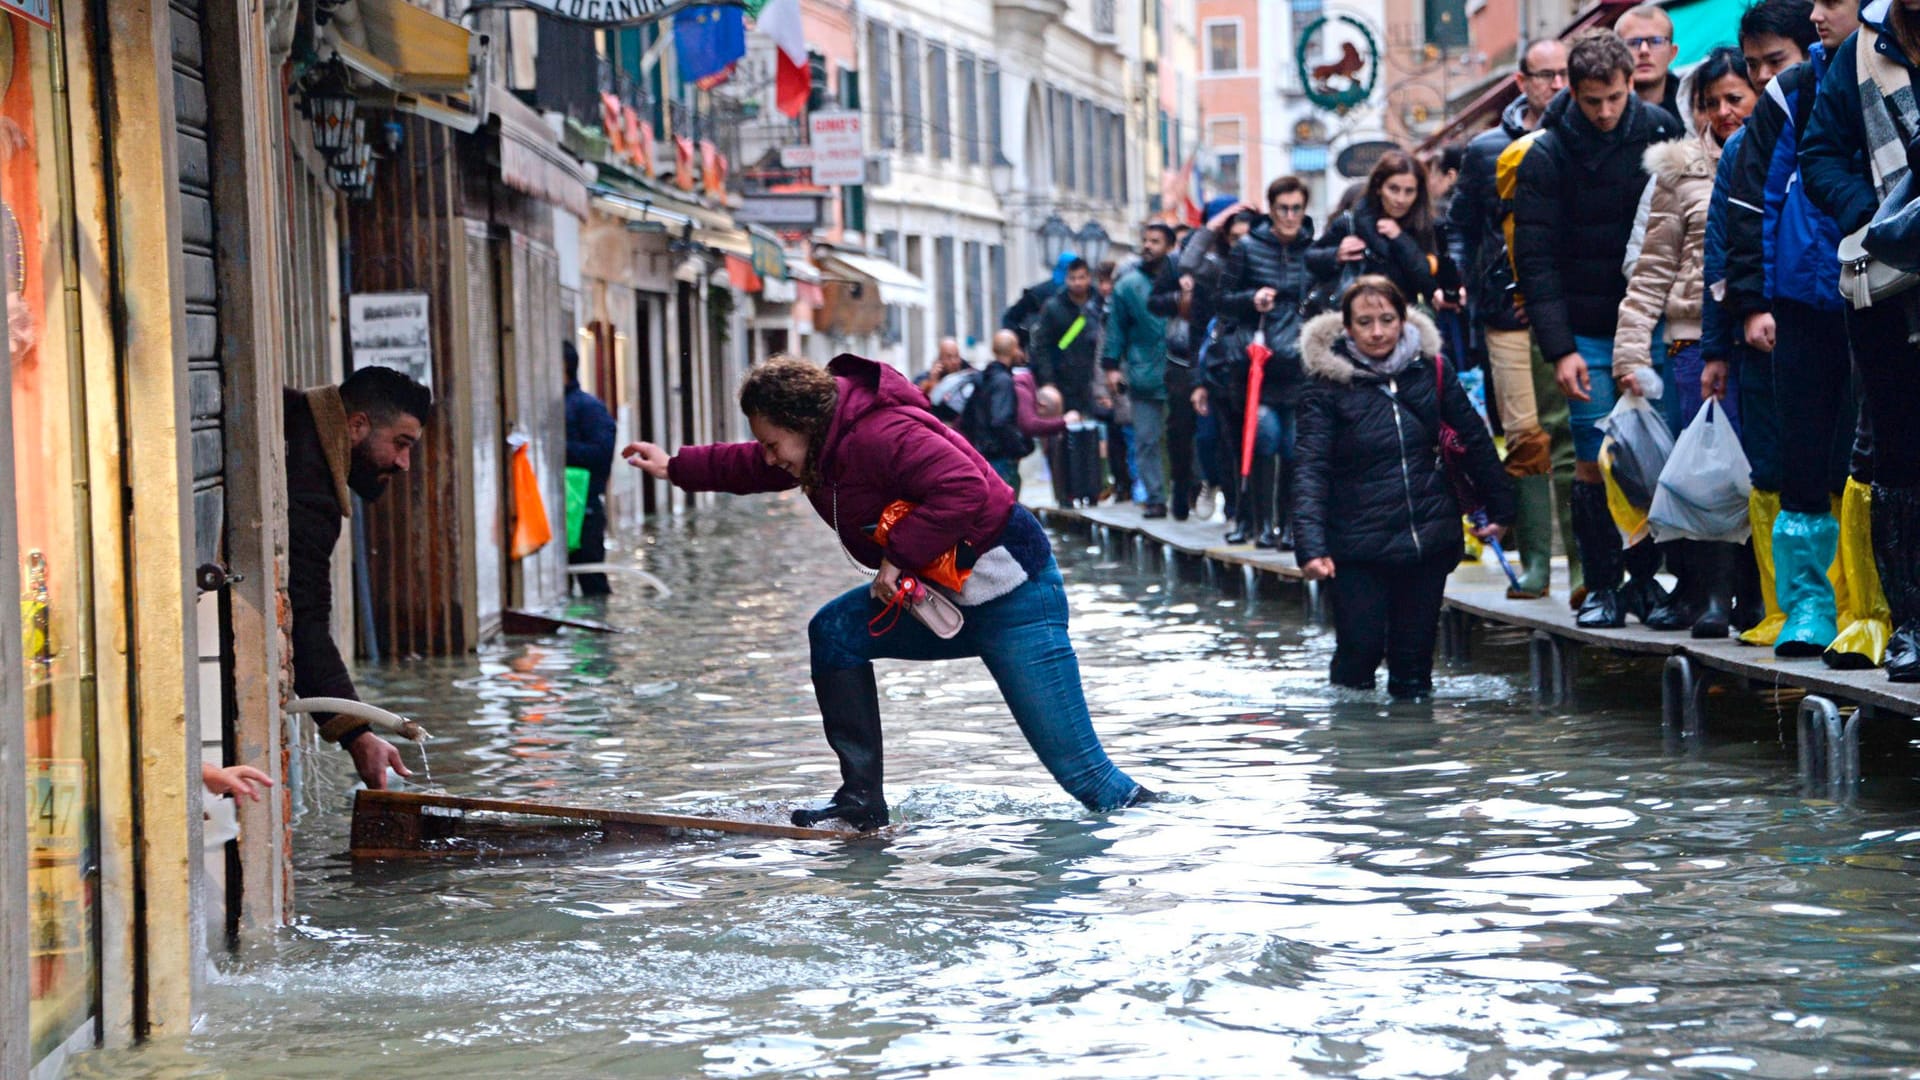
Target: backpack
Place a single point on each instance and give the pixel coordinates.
(1499, 277)
(978, 427)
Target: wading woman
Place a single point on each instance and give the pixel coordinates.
(857, 438)
(1374, 512)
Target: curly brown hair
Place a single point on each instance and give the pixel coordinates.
(795, 394)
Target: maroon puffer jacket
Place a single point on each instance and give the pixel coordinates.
(882, 446)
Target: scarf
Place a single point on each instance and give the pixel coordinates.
(1887, 109)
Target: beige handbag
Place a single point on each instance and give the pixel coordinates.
(1865, 280)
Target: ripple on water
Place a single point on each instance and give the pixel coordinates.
(1336, 886)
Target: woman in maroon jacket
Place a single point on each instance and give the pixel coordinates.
(857, 437)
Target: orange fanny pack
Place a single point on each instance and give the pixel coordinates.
(943, 571)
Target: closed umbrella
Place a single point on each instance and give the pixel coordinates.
(1257, 356)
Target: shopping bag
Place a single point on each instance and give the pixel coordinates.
(946, 570)
(1641, 443)
(531, 531)
(579, 482)
(1703, 490)
(1631, 520)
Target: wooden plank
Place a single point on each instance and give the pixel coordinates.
(396, 824)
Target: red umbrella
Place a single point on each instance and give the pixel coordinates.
(1257, 355)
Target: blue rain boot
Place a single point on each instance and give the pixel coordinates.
(1803, 549)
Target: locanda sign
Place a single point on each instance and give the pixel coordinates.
(608, 12)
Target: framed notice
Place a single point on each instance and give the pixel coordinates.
(392, 330)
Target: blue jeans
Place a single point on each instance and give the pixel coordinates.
(1149, 448)
(1598, 353)
(1022, 637)
(1273, 432)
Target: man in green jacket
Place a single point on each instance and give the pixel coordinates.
(1135, 358)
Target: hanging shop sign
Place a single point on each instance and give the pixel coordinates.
(833, 149)
(1350, 62)
(392, 330)
(599, 12)
(40, 11)
(1358, 159)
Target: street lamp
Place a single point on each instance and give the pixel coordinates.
(1093, 241)
(1001, 174)
(330, 106)
(1056, 236)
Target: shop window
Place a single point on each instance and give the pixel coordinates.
(49, 452)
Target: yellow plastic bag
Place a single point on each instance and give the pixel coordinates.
(531, 529)
(1865, 621)
(1631, 520)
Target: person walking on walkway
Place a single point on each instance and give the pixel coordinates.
(1266, 289)
(1196, 291)
(591, 437)
(1854, 153)
(1648, 33)
(1389, 233)
(1066, 339)
(1667, 284)
(856, 438)
(341, 441)
(1533, 411)
(1782, 288)
(991, 420)
(1579, 186)
(1375, 513)
(1134, 355)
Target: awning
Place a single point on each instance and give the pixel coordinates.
(896, 285)
(401, 46)
(531, 160)
(1484, 111)
(732, 241)
(425, 61)
(637, 211)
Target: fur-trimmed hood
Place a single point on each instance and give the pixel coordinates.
(1322, 360)
(1678, 159)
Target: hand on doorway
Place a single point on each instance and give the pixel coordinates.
(235, 780)
(648, 458)
(373, 756)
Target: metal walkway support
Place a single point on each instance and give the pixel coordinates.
(1683, 695)
(1553, 662)
(1316, 598)
(1829, 747)
(1456, 636)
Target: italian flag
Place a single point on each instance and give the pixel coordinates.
(780, 20)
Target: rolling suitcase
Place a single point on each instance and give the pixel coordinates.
(1076, 464)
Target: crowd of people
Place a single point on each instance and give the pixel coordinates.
(1629, 232)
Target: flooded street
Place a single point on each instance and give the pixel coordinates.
(1337, 887)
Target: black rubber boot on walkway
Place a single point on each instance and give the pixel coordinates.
(1682, 606)
(1256, 503)
(850, 713)
(1714, 566)
(1642, 595)
(1279, 533)
(1896, 552)
(1600, 558)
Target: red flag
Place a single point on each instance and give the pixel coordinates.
(1257, 356)
(683, 163)
(781, 21)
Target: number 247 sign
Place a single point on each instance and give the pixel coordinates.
(54, 789)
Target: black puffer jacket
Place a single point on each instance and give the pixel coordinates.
(1573, 210)
(1369, 485)
(1262, 261)
(1073, 368)
(1401, 259)
(1202, 256)
(1473, 224)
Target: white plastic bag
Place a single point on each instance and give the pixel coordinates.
(1704, 488)
(1640, 443)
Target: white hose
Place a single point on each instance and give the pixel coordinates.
(360, 710)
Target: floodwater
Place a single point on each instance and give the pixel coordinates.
(1339, 887)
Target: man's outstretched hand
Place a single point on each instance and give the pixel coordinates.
(373, 756)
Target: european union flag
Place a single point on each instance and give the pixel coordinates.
(708, 40)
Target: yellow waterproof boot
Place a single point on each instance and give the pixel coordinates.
(1865, 622)
(1762, 508)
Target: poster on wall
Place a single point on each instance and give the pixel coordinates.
(392, 330)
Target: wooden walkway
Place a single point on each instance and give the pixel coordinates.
(1829, 716)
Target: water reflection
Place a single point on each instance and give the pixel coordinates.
(1339, 888)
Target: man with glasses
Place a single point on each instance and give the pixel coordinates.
(1648, 32)
(1533, 412)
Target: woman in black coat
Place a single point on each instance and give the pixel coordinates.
(1390, 233)
(1374, 512)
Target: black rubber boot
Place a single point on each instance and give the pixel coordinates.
(1748, 607)
(1896, 552)
(1279, 533)
(1642, 595)
(850, 713)
(1600, 558)
(1682, 606)
(1256, 503)
(1714, 566)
